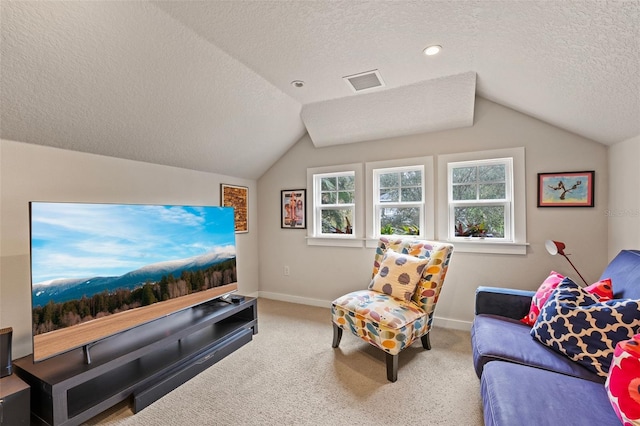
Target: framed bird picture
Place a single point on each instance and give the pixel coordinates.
(566, 189)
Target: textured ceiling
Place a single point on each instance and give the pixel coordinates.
(205, 85)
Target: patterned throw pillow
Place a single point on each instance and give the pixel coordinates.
(575, 323)
(398, 275)
(602, 289)
(623, 383)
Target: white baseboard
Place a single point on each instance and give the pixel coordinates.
(439, 321)
(452, 323)
(253, 294)
(295, 299)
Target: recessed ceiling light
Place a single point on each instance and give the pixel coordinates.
(297, 83)
(432, 50)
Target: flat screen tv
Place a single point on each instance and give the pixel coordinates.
(100, 269)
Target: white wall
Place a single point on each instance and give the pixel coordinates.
(36, 173)
(320, 274)
(623, 210)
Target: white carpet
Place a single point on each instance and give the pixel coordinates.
(290, 375)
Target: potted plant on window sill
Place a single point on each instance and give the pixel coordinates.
(477, 230)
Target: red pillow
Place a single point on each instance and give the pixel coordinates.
(601, 289)
(623, 382)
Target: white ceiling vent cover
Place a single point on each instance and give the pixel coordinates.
(364, 81)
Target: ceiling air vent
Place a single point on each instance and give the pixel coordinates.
(364, 81)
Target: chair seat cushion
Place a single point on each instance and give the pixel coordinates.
(384, 321)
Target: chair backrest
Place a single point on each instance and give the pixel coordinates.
(428, 289)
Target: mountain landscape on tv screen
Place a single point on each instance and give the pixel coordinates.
(89, 261)
(63, 290)
(67, 302)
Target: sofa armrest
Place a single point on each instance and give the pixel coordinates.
(506, 302)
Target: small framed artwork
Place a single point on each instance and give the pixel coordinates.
(238, 198)
(566, 189)
(293, 208)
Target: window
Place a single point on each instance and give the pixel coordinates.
(481, 198)
(400, 199)
(480, 194)
(336, 205)
(335, 202)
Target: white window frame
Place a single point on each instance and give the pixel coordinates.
(506, 202)
(314, 230)
(514, 241)
(373, 169)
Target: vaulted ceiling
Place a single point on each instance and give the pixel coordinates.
(207, 85)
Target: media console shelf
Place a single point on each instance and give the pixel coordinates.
(143, 363)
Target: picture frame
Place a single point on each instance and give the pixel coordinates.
(566, 189)
(237, 197)
(293, 200)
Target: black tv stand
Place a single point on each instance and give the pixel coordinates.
(87, 353)
(143, 363)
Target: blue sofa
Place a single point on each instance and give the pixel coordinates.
(523, 382)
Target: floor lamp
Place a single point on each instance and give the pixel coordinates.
(556, 247)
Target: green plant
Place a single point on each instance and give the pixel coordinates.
(387, 230)
(471, 230)
(403, 230)
(410, 230)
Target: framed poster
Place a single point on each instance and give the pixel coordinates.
(238, 198)
(566, 189)
(293, 206)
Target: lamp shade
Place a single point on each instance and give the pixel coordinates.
(555, 247)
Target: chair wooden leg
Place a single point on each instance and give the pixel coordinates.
(425, 342)
(337, 335)
(392, 367)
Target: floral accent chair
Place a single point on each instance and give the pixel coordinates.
(398, 306)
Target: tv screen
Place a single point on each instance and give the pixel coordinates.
(100, 269)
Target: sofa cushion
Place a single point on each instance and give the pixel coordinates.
(514, 394)
(575, 324)
(601, 289)
(623, 383)
(624, 271)
(398, 275)
(495, 337)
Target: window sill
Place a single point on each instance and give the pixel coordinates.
(335, 241)
(373, 242)
(485, 245)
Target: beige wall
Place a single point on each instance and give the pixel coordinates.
(35, 173)
(320, 274)
(623, 210)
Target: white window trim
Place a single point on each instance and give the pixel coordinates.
(519, 244)
(428, 227)
(356, 239)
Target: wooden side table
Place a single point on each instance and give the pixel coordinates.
(15, 397)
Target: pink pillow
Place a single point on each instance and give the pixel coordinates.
(601, 289)
(623, 382)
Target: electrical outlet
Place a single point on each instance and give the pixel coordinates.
(286, 271)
